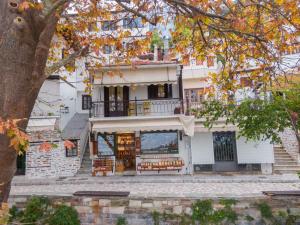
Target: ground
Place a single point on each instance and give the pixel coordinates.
(161, 186)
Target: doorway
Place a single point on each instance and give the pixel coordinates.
(21, 164)
(116, 101)
(225, 151)
(125, 152)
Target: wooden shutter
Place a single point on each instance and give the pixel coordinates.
(106, 101)
(95, 148)
(126, 99)
(168, 90)
(152, 91)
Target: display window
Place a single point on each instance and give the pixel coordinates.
(159, 142)
(106, 144)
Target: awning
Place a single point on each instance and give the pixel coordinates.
(132, 124)
(137, 77)
(218, 126)
(42, 123)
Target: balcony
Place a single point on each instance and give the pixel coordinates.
(159, 107)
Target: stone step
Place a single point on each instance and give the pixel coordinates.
(279, 163)
(281, 153)
(287, 168)
(282, 156)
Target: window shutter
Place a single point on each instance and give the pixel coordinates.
(170, 95)
(95, 148)
(168, 90)
(106, 101)
(151, 91)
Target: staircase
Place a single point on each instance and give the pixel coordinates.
(86, 164)
(284, 163)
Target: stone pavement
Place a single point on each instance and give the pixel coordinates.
(198, 186)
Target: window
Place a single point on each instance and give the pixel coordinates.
(160, 91)
(194, 95)
(86, 102)
(159, 142)
(109, 25)
(73, 151)
(130, 23)
(106, 144)
(107, 49)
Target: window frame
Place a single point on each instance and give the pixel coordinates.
(153, 91)
(199, 98)
(86, 102)
(151, 152)
(108, 25)
(73, 151)
(114, 144)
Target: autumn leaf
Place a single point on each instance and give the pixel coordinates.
(46, 146)
(24, 6)
(69, 144)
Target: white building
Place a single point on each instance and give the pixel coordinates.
(60, 113)
(218, 149)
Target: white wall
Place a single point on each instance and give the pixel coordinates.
(202, 148)
(254, 152)
(247, 152)
(48, 100)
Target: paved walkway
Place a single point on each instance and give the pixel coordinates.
(161, 186)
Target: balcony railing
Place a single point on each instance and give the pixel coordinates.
(160, 107)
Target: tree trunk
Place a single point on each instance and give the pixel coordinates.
(24, 45)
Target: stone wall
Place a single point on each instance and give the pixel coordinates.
(138, 211)
(53, 163)
(290, 143)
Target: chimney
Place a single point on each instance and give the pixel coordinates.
(166, 55)
(155, 58)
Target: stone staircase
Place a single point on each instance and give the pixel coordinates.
(284, 163)
(86, 164)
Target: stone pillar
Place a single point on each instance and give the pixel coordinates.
(266, 168)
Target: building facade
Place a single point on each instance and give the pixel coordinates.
(142, 123)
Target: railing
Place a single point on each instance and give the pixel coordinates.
(159, 107)
(191, 107)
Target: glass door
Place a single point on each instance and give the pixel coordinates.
(116, 101)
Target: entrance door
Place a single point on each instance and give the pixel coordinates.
(21, 164)
(125, 156)
(116, 100)
(225, 151)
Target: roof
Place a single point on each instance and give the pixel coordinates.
(75, 126)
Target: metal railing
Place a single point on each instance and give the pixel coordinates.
(149, 107)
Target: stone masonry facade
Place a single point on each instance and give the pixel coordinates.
(139, 211)
(53, 163)
(290, 143)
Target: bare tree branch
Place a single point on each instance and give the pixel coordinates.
(56, 66)
(51, 8)
(135, 12)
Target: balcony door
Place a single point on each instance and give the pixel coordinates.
(116, 100)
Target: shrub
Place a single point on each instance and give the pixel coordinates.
(64, 215)
(121, 221)
(37, 208)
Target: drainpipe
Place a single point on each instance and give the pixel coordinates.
(180, 87)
